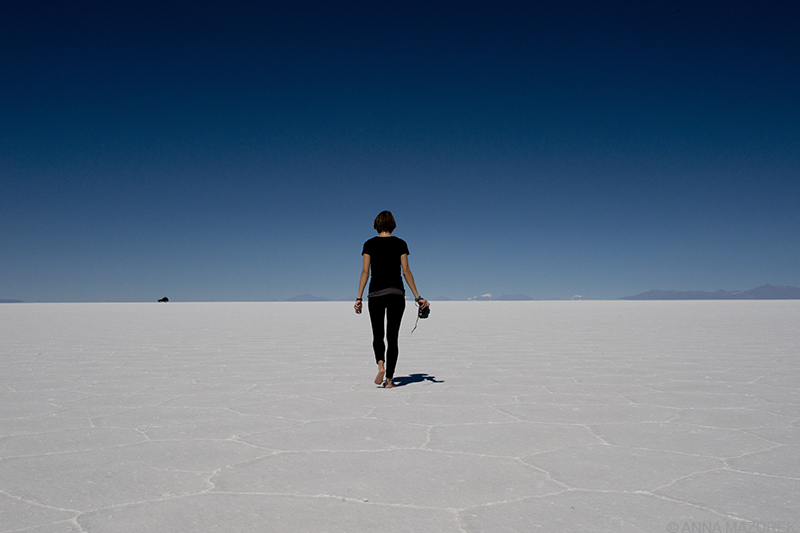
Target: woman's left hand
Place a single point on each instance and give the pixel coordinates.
(423, 303)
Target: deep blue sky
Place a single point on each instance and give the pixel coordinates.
(207, 151)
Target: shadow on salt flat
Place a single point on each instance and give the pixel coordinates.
(415, 378)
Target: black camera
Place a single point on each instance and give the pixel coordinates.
(423, 313)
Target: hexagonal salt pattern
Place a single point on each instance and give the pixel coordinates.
(508, 416)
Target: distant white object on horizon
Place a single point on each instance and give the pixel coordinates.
(577, 297)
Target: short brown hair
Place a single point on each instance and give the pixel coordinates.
(384, 222)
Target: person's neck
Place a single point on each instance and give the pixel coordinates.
(384, 234)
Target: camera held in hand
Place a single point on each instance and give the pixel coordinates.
(423, 313)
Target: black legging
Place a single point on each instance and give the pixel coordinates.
(392, 307)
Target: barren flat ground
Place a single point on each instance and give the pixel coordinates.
(509, 416)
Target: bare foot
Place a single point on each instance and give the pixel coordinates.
(388, 384)
(379, 377)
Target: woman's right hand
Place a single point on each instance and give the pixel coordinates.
(358, 307)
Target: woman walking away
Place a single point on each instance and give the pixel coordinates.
(386, 256)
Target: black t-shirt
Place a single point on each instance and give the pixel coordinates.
(384, 254)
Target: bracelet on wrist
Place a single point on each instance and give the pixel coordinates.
(418, 298)
(359, 299)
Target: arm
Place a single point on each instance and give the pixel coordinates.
(423, 303)
(362, 283)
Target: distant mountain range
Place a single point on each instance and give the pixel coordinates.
(765, 292)
(2, 301)
(514, 297)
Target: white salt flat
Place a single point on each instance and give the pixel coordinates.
(505, 416)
